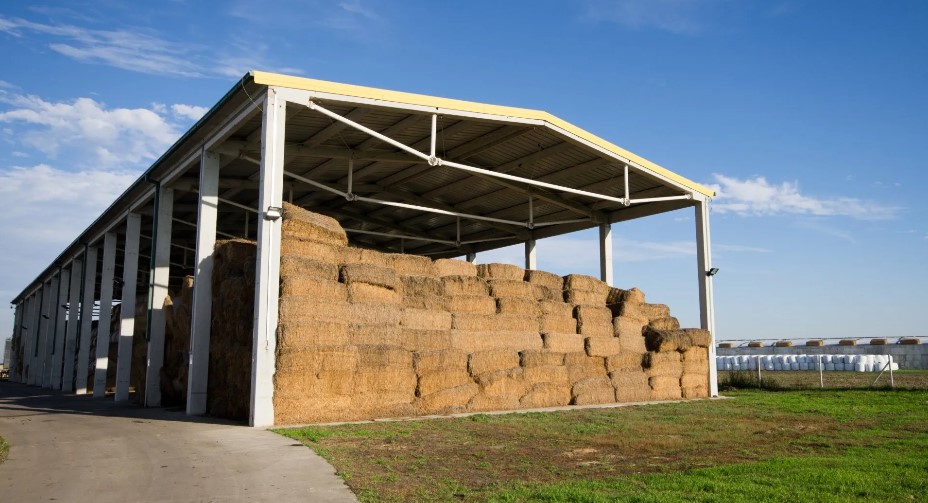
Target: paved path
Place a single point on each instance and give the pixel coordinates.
(70, 448)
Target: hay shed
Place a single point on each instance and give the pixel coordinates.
(382, 174)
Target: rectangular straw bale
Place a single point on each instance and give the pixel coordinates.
(846, 342)
(518, 305)
(592, 314)
(511, 288)
(306, 334)
(411, 265)
(699, 337)
(875, 342)
(783, 344)
(471, 304)
(453, 267)
(907, 341)
(500, 271)
(364, 256)
(366, 334)
(329, 254)
(592, 390)
(624, 326)
(495, 323)
(631, 386)
(726, 345)
(386, 381)
(319, 358)
(422, 286)
(634, 296)
(503, 383)
(587, 283)
(424, 340)
(516, 323)
(546, 373)
(694, 392)
(694, 380)
(442, 360)
(665, 388)
(370, 274)
(625, 362)
(447, 401)
(422, 319)
(486, 402)
(453, 285)
(614, 296)
(669, 323)
(369, 313)
(695, 359)
(547, 294)
(539, 358)
(597, 330)
(546, 395)
(304, 267)
(557, 308)
(481, 341)
(322, 289)
(756, 344)
(546, 279)
(580, 366)
(664, 364)
(428, 303)
(564, 343)
(312, 226)
(666, 340)
(381, 356)
(366, 292)
(603, 346)
(819, 342)
(644, 312)
(578, 297)
(492, 360)
(558, 324)
(435, 381)
(307, 307)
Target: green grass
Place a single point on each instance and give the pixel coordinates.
(4, 449)
(807, 445)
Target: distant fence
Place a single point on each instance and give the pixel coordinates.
(907, 356)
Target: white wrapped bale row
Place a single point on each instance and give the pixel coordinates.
(851, 363)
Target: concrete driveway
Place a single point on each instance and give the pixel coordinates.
(75, 448)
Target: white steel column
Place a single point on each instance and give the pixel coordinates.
(46, 350)
(18, 336)
(70, 338)
(605, 253)
(159, 290)
(86, 319)
(106, 314)
(35, 367)
(28, 331)
(130, 274)
(198, 372)
(706, 302)
(55, 342)
(531, 255)
(267, 268)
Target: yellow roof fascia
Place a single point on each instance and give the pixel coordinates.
(302, 83)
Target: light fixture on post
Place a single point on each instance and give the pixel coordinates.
(273, 213)
(712, 272)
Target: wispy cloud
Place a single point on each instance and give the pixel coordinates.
(756, 196)
(685, 17)
(191, 112)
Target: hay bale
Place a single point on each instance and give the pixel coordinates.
(369, 274)
(424, 340)
(366, 334)
(630, 386)
(471, 304)
(442, 360)
(447, 401)
(307, 307)
(580, 366)
(454, 285)
(545, 294)
(644, 312)
(421, 286)
(614, 296)
(783, 344)
(512, 289)
(382, 356)
(630, 333)
(540, 358)
(387, 385)
(596, 330)
(878, 342)
(369, 313)
(290, 247)
(501, 271)
(668, 364)
(557, 308)
(366, 292)
(295, 335)
(696, 360)
(481, 341)
(847, 342)
(816, 343)
(305, 268)
(634, 296)
(518, 305)
(592, 314)
(588, 284)
(421, 319)
(502, 383)
(558, 324)
(546, 395)
(453, 267)
(726, 345)
(592, 390)
(494, 323)
(546, 279)
(492, 360)
(323, 289)
(603, 346)
(910, 341)
(309, 226)
(669, 323)
(411, 265)
(563, 343)
(367, 257)
(438, 380)
(546, 373)
(694, 380)
(485, 402)
(427, 303)
(666, 340)
(583, 297)
(665, 388)
(625, 362)
(756, 344)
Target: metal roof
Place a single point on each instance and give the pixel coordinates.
(551, 168)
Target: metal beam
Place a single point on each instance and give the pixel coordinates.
(86, 317)
(106, 313)
(130, 270)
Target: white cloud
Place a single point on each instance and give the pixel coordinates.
(757, 196)
(191, 112)
(674, 16)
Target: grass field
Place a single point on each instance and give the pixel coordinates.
(808, 445)
(4, 449)
(903, 379)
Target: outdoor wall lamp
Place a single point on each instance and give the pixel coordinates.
(712, 272)
(273, 213)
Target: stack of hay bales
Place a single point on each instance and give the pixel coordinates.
(178, 309)
(677, 363)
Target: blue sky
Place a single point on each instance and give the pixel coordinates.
(809, 117)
